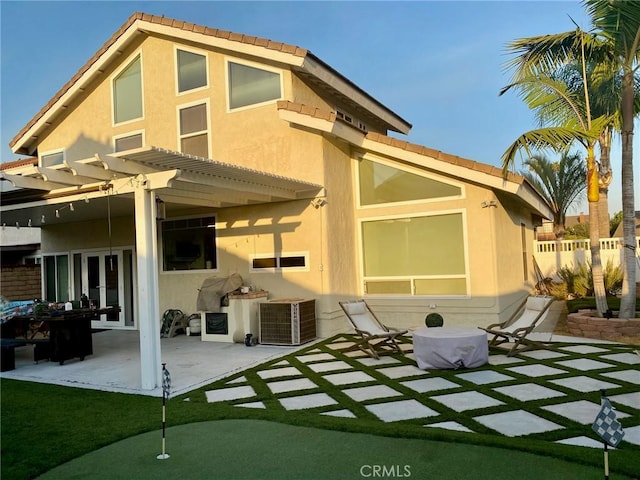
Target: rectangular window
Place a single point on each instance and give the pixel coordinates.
(56, 278)
(280, 262)
(194, 136)
(415, 256)
(192, 70)
(250, 85)
(52, 159)
(525, 255)
(189, 244)
(127, 93)
(129, 142)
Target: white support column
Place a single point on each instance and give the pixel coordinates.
(148, 296)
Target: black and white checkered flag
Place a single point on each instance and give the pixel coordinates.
(607, 426)
(166, 382)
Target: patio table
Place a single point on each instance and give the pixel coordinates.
(450, 347)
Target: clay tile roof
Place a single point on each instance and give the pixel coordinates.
(19, 163)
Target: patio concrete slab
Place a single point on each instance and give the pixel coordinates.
(372, 362)
(517, 423)
(450, 426)
(580, 411)
(629, 399)
(279, 372)
(330, 366)
(315, 357)
(252, 405)
(543, 354)
(231, 393)
(302, 402)
(401, 410)
(632, 435)
(348, 378)
(401, 371)
(626, 357)
(584, 364)
(536, 370)
(503, 360)
(361, 394)
(283, 386)
(423, 385)
(582, 442)
(584, 384)
(344, 413)
(631, 376)
(464, 401)
(582, 349)
(484, 377)
(528, 391)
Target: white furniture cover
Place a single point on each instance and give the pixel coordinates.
(450, 347)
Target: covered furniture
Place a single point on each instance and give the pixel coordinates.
(375, 336)
(530, 314)
(450, 348)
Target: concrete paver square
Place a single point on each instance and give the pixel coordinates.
(503, 360)
(291, 385)
(584, 384)
(279, 372)
(422, 385)
(348, 378)
(361, 394)
(584, 364)
(450, 426)
(582, 441)
(632, 435)
(340, 345)
(316, 357)
(401, 410)
(484, 377)
(543, 354)
(231, 393)
(579, 411)
(372, 362)
(529, 391)
(536, 370)
(583, 349)
(237, 380)
(344, 413)
(517, 423)
(313, 400)
(252, 405)
(631, 376)
(401, 371)
(626, 357)
(629, 399)
(463, 401)
(329, 366)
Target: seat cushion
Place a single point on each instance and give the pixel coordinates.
(355, 308)
(537, 303)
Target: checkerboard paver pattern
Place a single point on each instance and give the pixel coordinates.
(555, 391)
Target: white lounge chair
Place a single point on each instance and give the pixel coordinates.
(374, 334)
(530, 314)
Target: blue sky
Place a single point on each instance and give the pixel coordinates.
(438, 64)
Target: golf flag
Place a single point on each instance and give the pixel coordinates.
(166, 382)
(607, 426)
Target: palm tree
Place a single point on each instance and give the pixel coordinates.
(560, 183)
(617, 24)
(539, 80)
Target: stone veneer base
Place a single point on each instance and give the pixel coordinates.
(584, 323)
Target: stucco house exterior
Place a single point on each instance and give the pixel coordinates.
(179, 152)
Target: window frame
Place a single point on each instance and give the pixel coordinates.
(194, 51)
(179, 108)
(44, 280)
(132, 133)
(57, 151)
(413, 278)
(112, 80)
(278, 258)
(257, 66)
(161, 254)
(408, 169)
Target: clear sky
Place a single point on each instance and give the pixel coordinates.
(437, 64)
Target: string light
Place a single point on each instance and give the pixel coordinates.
(18, 225)
(71, 207)
(42, 219)
(29, 224)
(57, 213)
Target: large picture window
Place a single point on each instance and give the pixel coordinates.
(251, 86)
(56, 277)
(422, 255)
(380, 183)
(52, 159)
(127, 93)
(192, 70)
(189, 244)
(194, 137)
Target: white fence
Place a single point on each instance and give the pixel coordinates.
(552, 255)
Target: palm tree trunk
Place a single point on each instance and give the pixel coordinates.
(605, 181)
(599, 291)
(628, 300)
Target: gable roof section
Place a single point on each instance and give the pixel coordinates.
(302, 61)
(429, 158)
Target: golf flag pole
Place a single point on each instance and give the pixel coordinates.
(166, 391)
(608, 428)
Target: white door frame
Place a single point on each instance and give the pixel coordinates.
(103, 255)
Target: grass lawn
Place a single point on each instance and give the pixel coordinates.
(113, 435)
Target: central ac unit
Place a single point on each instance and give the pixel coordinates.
(287, 321)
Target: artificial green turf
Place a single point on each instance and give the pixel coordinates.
(246, 449)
